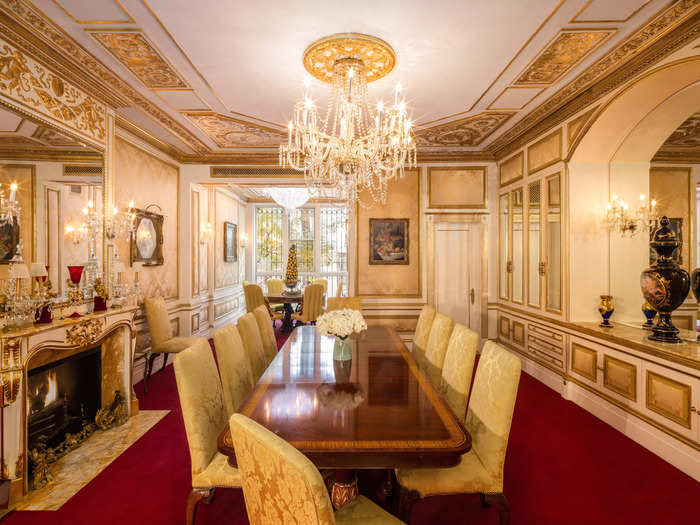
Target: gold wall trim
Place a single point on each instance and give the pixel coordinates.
(685, 392)
(518, 333)
(484, 185)
(532, 168)
(631, 393)
(491, 106)
(504, 326)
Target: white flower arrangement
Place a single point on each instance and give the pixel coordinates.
(341, 323)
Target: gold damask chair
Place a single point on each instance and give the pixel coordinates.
(344, 303)
(253, 345)
(267, 333)
(162, 340)
(233, 366)
(458, 368)
(322, 282)
(488, 420)
(420, 337)
(436, 348)
(275, 287)
(281, 485)
(254, 298)
(204, 414)
(312, 304)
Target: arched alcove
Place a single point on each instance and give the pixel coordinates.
(613, 157)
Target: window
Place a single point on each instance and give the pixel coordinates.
(320, 234)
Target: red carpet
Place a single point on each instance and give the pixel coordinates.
(563, 466)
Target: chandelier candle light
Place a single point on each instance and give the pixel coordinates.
(619, 219)
(354, 149)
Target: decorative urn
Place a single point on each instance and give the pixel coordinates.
(649, 313)
(606, 310)
(665, 285)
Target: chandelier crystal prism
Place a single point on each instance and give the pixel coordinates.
(356, 149)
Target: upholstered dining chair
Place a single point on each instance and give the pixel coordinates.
(162, 340)
(281, 485)
(488, 420)
(253, 345)
(339, 290)
(344, 303)
(458, 368)
(322, 282)
(435, 350)
(204, 414)
(312, 304)
(275, 287)
(267, 333)
(254, 298)
(233, 366)
(420, 337)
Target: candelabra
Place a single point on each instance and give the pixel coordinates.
(9, 208)
(19, 305)
(619, 219)
(121, 223)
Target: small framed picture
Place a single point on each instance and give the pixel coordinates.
(230, 242)
(388, 241)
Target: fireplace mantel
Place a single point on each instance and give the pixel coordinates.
(26, 348)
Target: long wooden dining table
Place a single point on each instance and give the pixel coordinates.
(377, 410)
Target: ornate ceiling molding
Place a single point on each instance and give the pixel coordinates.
(666, 32)
(470, 131)
(686, 136)
(566, 50)
(229, 132)
(139, 56)
(52, 137)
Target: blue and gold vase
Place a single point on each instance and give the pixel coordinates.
(606, 309)
(649, 313)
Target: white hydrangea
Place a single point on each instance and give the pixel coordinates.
(341, 323)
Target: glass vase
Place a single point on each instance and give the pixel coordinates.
(342, 351)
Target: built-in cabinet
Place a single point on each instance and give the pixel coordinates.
(530, 244)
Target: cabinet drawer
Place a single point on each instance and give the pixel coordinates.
(556, 351)
(546, 333)
(546, 357)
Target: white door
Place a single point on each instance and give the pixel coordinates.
(456, 273)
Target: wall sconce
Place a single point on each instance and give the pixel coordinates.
(76, 235)
(243, 240)
(206, 232)
(619, 219)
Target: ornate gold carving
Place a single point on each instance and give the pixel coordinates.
(10, 370)
(566, 50)
(228, 132)
(85, 332)
(341, 493)
(115, 414)
(376, 55)
(661, 36)
(470, 131)
(26, 81)
(686, 137)
(19, 466)
(660, 392)
(140, 57)
(504, 327)
(518, 333)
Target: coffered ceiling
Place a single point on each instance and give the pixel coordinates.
(220, 78)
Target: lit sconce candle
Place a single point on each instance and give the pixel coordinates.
(307, 85)
(653, 203)
(131, 204)
(13, 191)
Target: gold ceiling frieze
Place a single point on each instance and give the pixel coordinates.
(52, 137)
(138, 55)
(667, 31)
(469, 131)
(566, 50)
(229, 132)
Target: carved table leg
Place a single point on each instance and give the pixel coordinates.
(287, 319)
(385, 490)
(344, 487)
(406, 500)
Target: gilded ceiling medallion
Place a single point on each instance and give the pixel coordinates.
(470, 131)
(563, 53)
(377, 56)
(228, 132)
(139, 56)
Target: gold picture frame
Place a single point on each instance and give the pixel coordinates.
(388, 241)
(146, 244)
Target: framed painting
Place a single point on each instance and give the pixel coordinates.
(147, 238)
(388, 241)
(9, 239)
(230, 242)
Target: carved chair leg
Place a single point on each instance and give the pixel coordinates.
(210, 498)
(193, 500)
(406, 500)
(501, 503)
(145, 379)
(149, 368)
(484, 503)
(165, 361)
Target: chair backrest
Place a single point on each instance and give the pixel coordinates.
(275, 286)
(420, 337)
(158, 322)
(253, 297)
(313, 302)
(458, 368)
(322, 282)
(280, 484)
(437, 347)
(201, 401)
(252, 342)
(344, 303)
(339, 290)
(267, 333)
(236, 377)
(246, 283)
(491, 405)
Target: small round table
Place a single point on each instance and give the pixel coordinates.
(287, 301)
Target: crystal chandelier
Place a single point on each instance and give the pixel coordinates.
(289, 198)
(355, 149)
(9, 208)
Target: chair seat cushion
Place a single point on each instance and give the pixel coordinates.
(217, 474)
(362, 511)
(468, 476)
(175, 345)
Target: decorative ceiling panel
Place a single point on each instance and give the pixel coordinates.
(607, 11)
(470, 131)
(686, 136)
(515, 97)
(566, 50)
(134, 51)
(228, 132)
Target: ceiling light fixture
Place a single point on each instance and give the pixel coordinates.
(289, 198)
(354, 149)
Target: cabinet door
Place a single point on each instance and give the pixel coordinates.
(553, 244)
(504, 246)
(534, 243)
(517, 235)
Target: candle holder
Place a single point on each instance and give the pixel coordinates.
(43, 313)
(100, 299)
(75, 296)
